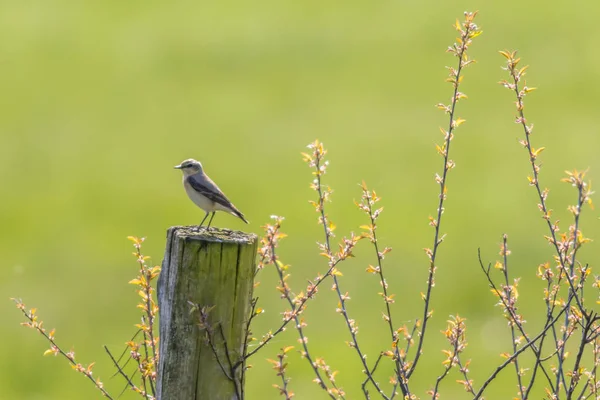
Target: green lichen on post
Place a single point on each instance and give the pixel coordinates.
(213, 269)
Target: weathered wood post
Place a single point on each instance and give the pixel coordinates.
(212, 269)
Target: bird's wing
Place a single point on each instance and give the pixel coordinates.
(206, 187)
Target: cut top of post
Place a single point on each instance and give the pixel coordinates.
(213, 234)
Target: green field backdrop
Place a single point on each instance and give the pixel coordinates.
(99, 100)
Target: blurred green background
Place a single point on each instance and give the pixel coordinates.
(101, 99)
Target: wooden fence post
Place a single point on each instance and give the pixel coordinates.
(211, 269)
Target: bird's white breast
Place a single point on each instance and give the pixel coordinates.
(198, 199)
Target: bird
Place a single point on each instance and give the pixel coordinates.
(204, 192)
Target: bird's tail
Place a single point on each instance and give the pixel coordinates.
(239, 214)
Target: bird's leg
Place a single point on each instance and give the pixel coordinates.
(203, 219)
(211, 218)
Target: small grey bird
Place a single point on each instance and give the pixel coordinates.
(204, 192)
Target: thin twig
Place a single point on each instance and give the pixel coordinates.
(508, 289)
(121, 372)
(55, 349)
(449, 365)
(243, 359)
(464, 371)
(232, 374)
(468, 31)
(342, 308)
(369, 198)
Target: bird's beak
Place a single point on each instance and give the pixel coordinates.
(178, 167)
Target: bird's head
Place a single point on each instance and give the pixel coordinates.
(190, 166)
